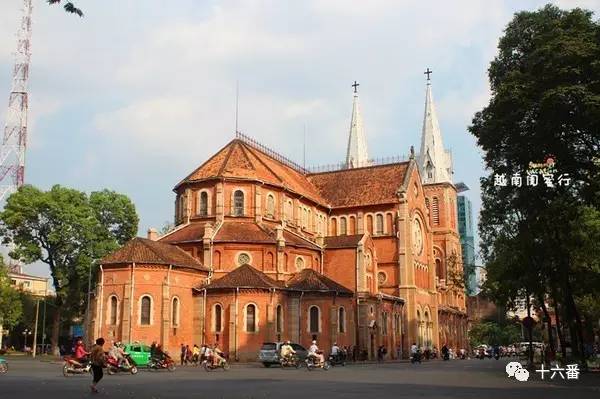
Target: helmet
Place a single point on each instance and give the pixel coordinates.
(288, 342)
(314, 342)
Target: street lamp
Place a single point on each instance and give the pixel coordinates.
(25, 333)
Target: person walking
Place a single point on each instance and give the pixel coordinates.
(183, 353)
(98, 360)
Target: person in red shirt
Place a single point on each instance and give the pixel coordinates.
(80, 352)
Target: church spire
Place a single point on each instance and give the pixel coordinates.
(357, 154)
(435, 163)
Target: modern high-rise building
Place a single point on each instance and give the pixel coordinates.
(467, 240)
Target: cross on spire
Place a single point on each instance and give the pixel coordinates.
(428, 72)
(355, 85)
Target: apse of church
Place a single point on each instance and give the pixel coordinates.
(264, 250)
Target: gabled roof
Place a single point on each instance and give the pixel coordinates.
(144, 251)
(311, 280)
(238, 159)
(343, 241)
(188, 233)
(244, 276)
(371, 185)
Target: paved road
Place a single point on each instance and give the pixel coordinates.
(482, 379)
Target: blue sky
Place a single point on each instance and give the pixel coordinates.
(137, 94)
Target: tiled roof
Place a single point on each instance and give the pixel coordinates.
(361, 186)
(235, 230)
(297, 241)
(241, 160)
(343, 241)
(244, 276)
(191, 232)
(142, 250)
(310, 280)
(27, 276)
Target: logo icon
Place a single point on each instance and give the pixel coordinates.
(514, 369)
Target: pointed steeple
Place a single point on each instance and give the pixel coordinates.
(357, 154)
(435, 163)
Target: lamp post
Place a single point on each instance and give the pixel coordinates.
(25, 333)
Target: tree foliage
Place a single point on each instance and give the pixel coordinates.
(69, 7)
(68, 231)
(538, 241)
(11, 309)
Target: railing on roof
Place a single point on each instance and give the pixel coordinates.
(273, 154)
(343, 165)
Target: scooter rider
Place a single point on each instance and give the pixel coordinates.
(80, 353)
(287, 351)
(314, 351)
(335, 351)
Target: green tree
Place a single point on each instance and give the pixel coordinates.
(11, 309)
(68, 6)
(68, 231)
(545, 84)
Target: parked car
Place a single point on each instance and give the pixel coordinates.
(270, 351)
(140, 354)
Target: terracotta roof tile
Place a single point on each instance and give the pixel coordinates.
(244, 276)
(310, 280)
(239, 159)
(343, 241)
(232, 231)
(191, 232)
(361, 186)
(142, 250)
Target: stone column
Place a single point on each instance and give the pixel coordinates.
(280, 250)
(258, 204)
(293, 319)
(333, 321)
(198, 319)
(164, 315)
(232, 331)
(126, 316)
(220, 204)
(207, 246)
(271, 333)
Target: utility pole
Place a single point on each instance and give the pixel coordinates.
(35, 329)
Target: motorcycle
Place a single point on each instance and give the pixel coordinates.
(72, 366)
(209, 364)
(313, 363)
(161, 364)
(416, 357)
(114, 366)
(289, 361)
(337, 360)
(3, 366)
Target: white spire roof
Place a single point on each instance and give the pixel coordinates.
(357, 154)
(435, 163)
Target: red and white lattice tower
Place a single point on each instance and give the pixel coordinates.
(14, 142)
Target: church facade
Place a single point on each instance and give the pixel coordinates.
(264, 251)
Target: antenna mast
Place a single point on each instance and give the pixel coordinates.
(14, 142)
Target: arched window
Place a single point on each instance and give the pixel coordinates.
(435, 212)
(384, 323)
(314, 319)
(175, 312)
(299, 263)
(439, 271)
(429, 170)
(333, 226)
(270, 205)
(370, 224)
(146, 311)
(279, 319)
(288, 210)
(203, 206)
(379, 224)
(251, 318)
(114, 302)
(304, 217)
(217, 318)
(390, 223)
(352, 225)
(343, 226)
(238, 203)
(342, 320)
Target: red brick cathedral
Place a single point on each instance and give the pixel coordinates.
(263, 250)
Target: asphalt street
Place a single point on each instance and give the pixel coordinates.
(482, 379)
